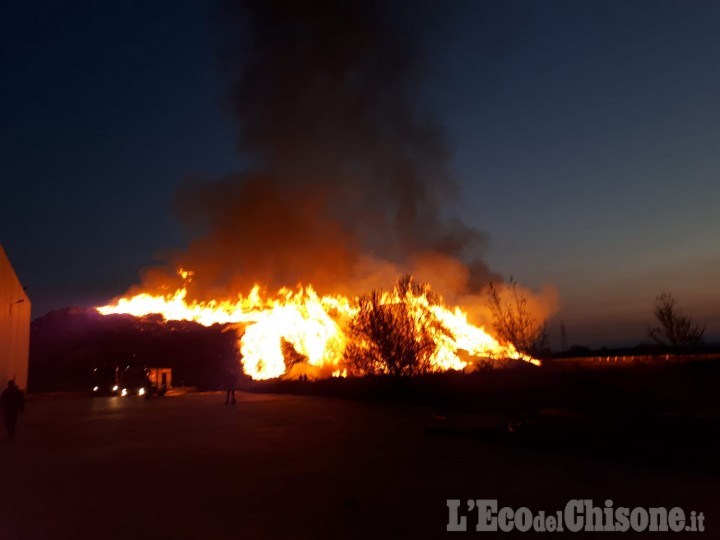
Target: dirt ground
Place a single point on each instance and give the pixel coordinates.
(290, 467)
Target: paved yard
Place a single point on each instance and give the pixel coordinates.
(285, 467)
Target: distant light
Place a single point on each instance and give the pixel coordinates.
(141, 392)
(96, 389)
(124, 392)
(115, 388)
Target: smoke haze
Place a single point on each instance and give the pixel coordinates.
(348, 185)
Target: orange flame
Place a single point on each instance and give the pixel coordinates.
(315, 327)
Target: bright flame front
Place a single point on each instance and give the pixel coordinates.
(314, 327)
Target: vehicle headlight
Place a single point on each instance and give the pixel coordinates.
(115, 388)
(96, 388)
(124, 392)
(141, 392)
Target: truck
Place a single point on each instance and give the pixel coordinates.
(117, 381)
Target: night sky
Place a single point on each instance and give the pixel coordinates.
(585, 139)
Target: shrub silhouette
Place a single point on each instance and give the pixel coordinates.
(394, 332)
(514, 323)
(677, 331)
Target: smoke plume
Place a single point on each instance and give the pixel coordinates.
(348, 183)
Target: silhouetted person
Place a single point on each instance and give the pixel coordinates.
(13, 403)
(230, 386)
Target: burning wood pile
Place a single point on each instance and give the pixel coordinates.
(293, 333)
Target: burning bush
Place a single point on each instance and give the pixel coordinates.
(395, 333)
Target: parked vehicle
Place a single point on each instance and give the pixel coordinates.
(106, 381)
(131, 381)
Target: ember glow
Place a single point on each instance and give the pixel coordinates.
(313, 327)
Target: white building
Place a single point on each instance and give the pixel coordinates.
(14, 326)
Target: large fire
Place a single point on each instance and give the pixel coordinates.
(316, 327)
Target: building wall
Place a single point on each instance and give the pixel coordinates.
(14, 326)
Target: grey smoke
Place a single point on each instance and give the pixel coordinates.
(346, 166)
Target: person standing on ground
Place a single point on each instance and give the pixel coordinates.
(230, 384)
(13, 403)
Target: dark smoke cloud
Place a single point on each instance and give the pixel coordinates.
(348, 181)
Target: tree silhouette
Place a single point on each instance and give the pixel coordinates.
(513, 322)
(676, 330)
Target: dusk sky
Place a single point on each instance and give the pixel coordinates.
(585, 140)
